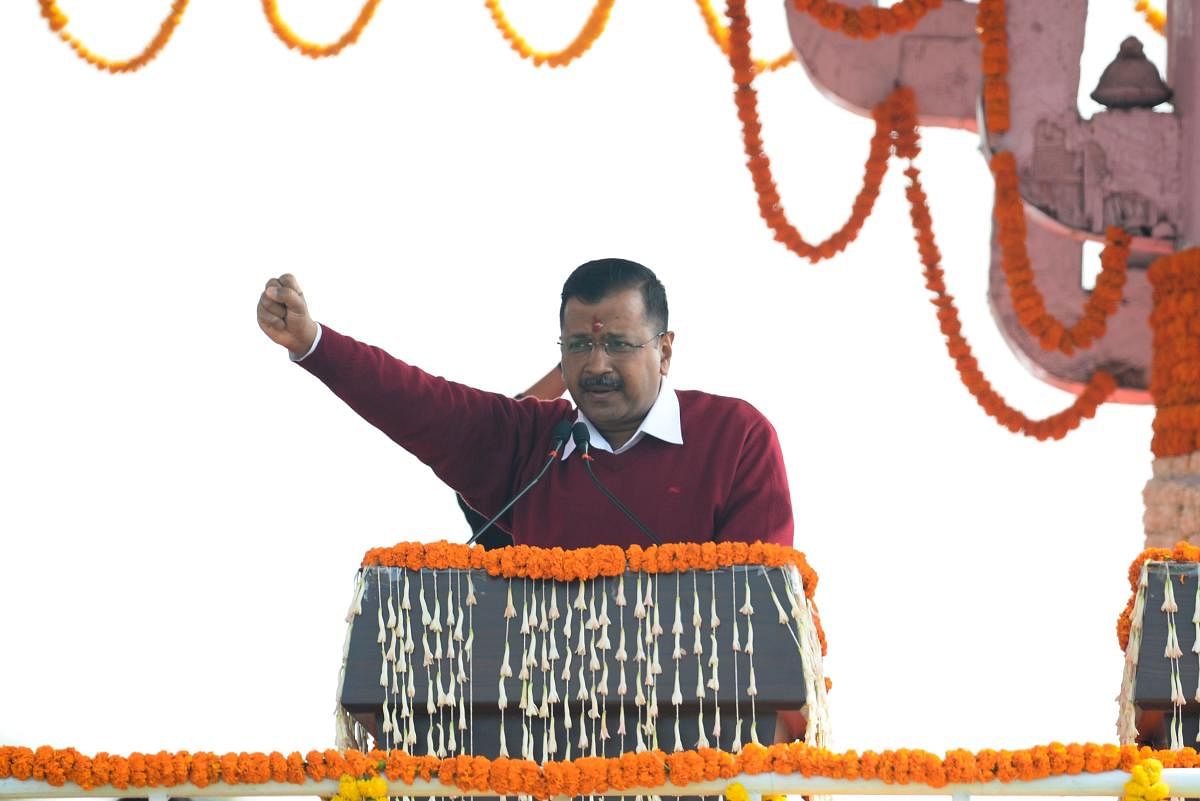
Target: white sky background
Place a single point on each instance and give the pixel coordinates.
(183, 510)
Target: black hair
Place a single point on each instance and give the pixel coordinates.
(596, 280)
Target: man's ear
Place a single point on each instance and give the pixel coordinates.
(665, 343)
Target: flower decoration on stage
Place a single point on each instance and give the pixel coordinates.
(736, 792)
(352, 789)
(588, 775)
(1145, 782)
(1182, 552)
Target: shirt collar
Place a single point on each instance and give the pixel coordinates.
(661, 422)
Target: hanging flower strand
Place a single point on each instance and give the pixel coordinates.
(582, 42)
(991, 21)
(769, 203)
(312, 49)
(58, 23)
(866, 22)
(1156, 18)
(1027, 301)
(1056, 426)
(719, 33)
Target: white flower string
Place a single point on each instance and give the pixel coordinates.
(566, 671)
(469, 649)
(427, 663)
(622, 657)
(438, 654)
(1196, 623)
(545, 708)
(752, 686)
(677, 654)
(531, 664)
(348, 732)
(698, 650)
(505, 669)
(582, 694)
(714, 662)
(818, 731)
(1173, 653)
(639, 614)
(462, 673)
(604, 644)
(523, 673)
(552, 697)
(410, 687)
(593, 625)
(655, 656)
(737, 647)
(1126, 715)
(381, 639)
(396, 655)
(451, 668)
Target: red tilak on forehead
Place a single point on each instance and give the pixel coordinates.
(597, 324)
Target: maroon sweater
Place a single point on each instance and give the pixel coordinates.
(726, 482)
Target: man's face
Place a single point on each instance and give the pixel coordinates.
(615, 390)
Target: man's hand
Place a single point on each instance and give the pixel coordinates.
(283, 315)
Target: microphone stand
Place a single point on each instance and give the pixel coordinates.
(587, 462)
(561, 432)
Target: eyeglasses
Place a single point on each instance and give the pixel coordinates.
(615, 348)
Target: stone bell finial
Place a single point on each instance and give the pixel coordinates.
(1131, 80)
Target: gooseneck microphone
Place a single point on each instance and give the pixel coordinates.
(583, 440)
(558, 438)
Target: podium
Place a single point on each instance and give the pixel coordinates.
(1153, 696)
(569, 662)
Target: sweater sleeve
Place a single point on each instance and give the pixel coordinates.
(759, 506)
(478, 442)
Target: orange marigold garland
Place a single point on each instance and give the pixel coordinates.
(586, 775)
(719, 33)
(312, 49)
(1175, 366)
(586, 37)
(524, 561)
(769, 203)
(57, 21)
(1156, 18)
(866, 22)
(1009, 213)
(1056, 426)
(991, 22)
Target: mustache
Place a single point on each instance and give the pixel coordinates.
(600, 382)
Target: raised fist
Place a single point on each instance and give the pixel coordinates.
(283, 315)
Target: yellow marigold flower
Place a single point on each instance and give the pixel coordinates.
(348, 788)
(375, 788)
(736, 792)
(1145, 782)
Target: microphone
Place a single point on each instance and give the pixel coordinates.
(558, 438)
(583, 440)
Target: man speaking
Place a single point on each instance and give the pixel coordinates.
(689, 466)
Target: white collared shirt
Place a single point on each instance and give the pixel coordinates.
(661, 422)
